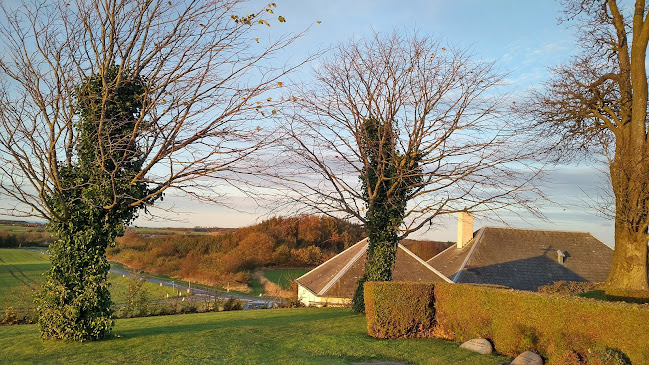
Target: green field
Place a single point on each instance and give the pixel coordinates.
(21, 271)
(284, 277)
(275, 336)
(20, 229)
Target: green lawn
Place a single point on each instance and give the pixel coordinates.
(284, 277)
(21, 271)
(278, 336)
(18, 229)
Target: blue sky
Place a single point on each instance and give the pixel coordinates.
(523, 37)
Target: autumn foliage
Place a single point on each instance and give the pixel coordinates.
(229, 257)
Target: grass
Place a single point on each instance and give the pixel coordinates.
(255, 287)
(279, 336)
(119, 288)
(284, 277)
(594, 294)
(21, 271)
(18, 229)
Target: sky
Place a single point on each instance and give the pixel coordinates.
(524, 38)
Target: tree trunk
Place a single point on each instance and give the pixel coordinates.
(629, 267)
(631, 187)
(74, 302)
(382, 250)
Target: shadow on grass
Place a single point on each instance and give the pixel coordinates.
(216, 323)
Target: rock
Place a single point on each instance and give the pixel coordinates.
(479, 345)
(527, 358)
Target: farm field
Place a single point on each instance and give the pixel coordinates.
(278, 336)
(284, 277)
(21, 271)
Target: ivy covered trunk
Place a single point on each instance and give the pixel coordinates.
(97, 196)
(386, 189)
(75, 302)
(382, 230)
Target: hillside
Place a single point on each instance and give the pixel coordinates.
(22, 233)
(226, 257)
(229, 257)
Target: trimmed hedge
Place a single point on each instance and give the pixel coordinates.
(404, 310)
(514, 321)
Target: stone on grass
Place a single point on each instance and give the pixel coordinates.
(527, 358)
(479, 345)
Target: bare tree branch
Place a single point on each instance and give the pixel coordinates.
(442, 106)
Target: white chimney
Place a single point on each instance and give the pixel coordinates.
(561, 257)
(464, 229)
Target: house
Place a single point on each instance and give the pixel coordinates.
(335, 281)
(522, 259)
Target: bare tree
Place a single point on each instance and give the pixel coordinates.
(421, 125)
(596, 105)
(206, 65)
(437, 102)
(106, 104)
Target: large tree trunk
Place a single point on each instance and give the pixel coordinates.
(630, 184)
(629, 267)
(74, 302)
(382, 229)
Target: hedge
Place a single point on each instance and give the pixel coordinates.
(514, 321)
(403, 310)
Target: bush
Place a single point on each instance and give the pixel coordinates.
(559, 328)
(10, 316)
(567, 288)
(232, 305)
(404, 310)
(137, 299)
(607, 356)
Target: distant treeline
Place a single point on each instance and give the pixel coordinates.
(426, 249)
(215, 259)
(21, 234)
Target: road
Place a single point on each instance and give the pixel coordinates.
(198, 292)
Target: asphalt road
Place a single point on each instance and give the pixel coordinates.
(198, 292)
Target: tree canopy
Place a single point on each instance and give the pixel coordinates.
(596, 105)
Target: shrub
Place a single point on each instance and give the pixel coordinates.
(404, 310)
(10, 316)
(607, 356)
(137, 299)
(570, 357)
(518, 321)
(232, 305)
(564, 330)
(566, 288)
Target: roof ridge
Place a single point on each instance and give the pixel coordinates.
(423, 263)
(468, 256)
(324, 263)
(540, 230)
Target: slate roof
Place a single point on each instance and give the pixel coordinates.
(338, 277)
(525, 259)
